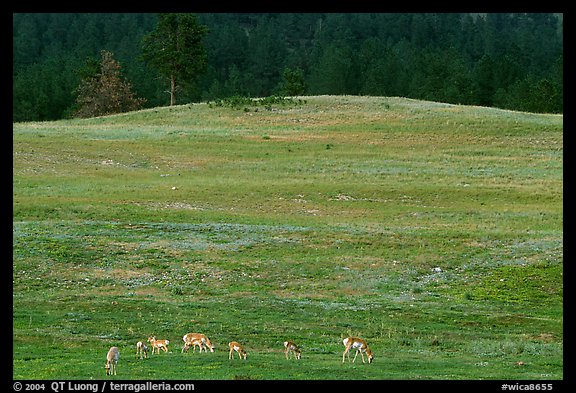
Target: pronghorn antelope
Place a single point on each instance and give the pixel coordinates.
(234, 346)
(112, 360)
(197, 339)
(158, 344)
(289, 347)
(360, 346)
(141, 350)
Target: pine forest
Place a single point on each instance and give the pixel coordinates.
(504, 60)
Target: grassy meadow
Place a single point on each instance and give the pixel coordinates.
(433, 231)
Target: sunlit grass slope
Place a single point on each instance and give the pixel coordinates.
(433, 231)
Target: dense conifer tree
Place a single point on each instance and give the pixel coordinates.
(175, 48)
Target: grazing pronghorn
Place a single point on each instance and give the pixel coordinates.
(141, 350)
(112, 360)
(360, 346)
(289, 346)
(234, 346)
(158, 344)
(197, 339)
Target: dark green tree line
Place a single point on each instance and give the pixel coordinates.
(512, 61)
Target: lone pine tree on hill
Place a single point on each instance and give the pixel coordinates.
(175, 49)
(105, 93)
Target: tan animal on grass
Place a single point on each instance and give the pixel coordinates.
(158, 344)
(360, 346)
(141, 350)
(197, 339)
(290, 347)
(235, 346)
(112, 360)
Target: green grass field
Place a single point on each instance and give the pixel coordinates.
(433, 231)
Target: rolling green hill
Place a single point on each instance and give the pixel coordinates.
(433, 231)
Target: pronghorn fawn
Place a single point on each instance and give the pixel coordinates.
(235, 346)
(290, 347)
(141, 350)
(158, 344)
(112, 360)
(197, 339)
(360, 346)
